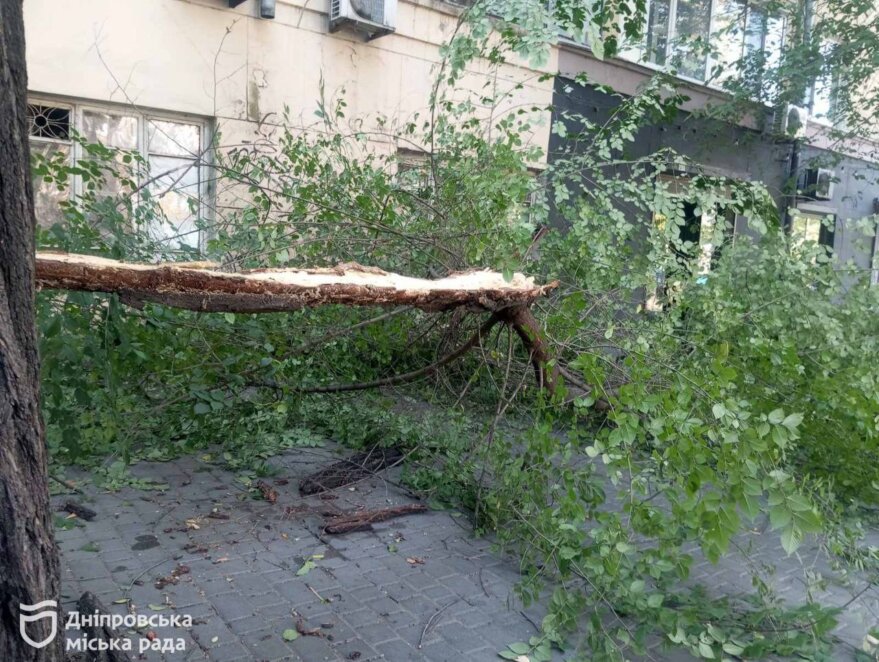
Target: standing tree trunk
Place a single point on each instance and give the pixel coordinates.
(28, 556)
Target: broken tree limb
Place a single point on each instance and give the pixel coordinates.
(602, 404)
(197, 287)
(277, 290)
(525, 325)
(364, 519)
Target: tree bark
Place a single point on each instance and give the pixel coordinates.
(522, 320)
(29, 571)
(277, 290)
(365, 518)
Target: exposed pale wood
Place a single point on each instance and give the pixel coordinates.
(276, 290)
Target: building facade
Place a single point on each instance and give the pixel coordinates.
(820, 187)
(164, 76)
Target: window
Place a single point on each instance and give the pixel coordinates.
(677, 33)
(49, 128)
(741, 30)
(172, 146)
(414, 172)
(701, 235)
(690, 37)
(811, 227)
(822, 95)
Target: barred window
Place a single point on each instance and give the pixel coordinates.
(172, 146)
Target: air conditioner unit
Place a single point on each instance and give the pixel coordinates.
(375, 18)
(791, 121)
(818, 183)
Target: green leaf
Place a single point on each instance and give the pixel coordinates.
(567, 553)
(290, 634)
(776, 416)
(596, 42)
(798, 503)
(732, 649)
(706, 651)
(791, 538)
(779, 516)
(519, 648)
(792, 421)
(307, 567)
(202, 408)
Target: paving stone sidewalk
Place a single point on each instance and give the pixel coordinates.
(419, 587)
(416, 588)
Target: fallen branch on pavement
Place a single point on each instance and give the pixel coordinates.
(364, 519)
(350, 470)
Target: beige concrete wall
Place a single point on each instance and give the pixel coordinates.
(201, 57)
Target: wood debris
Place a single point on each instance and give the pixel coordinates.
(269, 493)
(350, 470)
(365, 518)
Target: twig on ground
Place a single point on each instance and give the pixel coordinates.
(66, 483)
(431, 620)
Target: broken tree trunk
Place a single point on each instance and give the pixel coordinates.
(192, 286)
(278, 290)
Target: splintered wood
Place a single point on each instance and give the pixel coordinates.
(192, 287)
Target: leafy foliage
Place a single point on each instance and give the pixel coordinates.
(712, 382)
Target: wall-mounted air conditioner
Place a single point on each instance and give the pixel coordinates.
(818, 183)
(372, 17)
(792, 121)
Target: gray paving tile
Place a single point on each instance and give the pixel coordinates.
(243, 589)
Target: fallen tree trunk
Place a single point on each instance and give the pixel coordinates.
(277, 290)
(197, 287)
